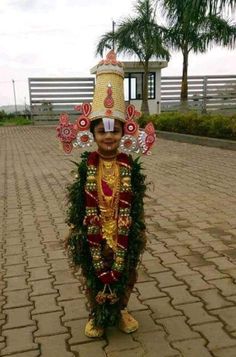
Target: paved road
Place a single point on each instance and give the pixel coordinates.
(186, 295)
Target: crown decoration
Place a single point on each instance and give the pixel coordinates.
(66, 132)
(108, 98)
(136, 140)
(147, 139)
(108, 103)
(78, 134)
(111, 59)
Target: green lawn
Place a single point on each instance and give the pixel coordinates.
(14, 121)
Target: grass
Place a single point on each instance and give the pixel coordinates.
(14, 121)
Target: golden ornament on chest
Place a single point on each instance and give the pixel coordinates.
(96, 257)
(91, 178)
(119, 260)
(109, 172)
(126, 182)
(109, 230)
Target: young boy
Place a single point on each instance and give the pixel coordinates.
(105, 214)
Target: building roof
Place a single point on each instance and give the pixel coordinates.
(153, 65)
(137, 66)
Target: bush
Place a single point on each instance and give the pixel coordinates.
(3, 115)
(8, 119)
(211, 125)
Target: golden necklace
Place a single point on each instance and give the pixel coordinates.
(109, 172)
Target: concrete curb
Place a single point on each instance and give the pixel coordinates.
(199, 140)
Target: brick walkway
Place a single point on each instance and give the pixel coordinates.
(186, 295)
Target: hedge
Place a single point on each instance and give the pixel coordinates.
(12, 119)
(210, 125)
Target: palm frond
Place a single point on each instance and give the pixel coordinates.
(106, 41)
(221, 31)
(139, 35)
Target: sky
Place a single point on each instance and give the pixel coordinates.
(42, 38)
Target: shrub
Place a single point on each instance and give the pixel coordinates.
(212, 125)
(9, 120)
(3, 115)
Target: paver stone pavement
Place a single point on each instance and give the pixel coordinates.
(185, 296)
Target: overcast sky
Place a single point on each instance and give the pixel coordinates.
(41, 38)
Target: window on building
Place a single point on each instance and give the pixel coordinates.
(151, 86)
(133, 85)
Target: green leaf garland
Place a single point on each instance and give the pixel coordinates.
(105, 314)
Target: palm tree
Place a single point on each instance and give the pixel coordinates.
(211, 6)
(140, 36)
(195, 25)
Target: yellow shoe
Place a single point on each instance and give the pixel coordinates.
(127, 323)
(93, 331)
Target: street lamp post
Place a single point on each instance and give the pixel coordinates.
(14, 91)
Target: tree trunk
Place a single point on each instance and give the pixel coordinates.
(184, 84)
(144, 106)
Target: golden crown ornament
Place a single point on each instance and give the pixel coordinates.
(109, 105)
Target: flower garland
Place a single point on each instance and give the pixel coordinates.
(93, 222)
(107, 313)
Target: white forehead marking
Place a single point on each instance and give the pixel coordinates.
(108, 124)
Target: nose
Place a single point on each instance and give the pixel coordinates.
(108, 134)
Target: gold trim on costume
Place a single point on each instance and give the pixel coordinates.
(109, 171)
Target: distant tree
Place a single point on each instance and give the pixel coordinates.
(141, 36)
(3, 114)
(194, 26)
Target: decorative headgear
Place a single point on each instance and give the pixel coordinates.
(108, 105)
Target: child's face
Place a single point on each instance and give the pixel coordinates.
(108, 142)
